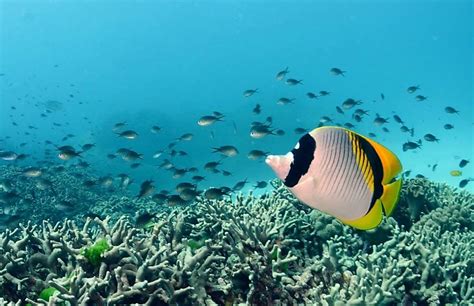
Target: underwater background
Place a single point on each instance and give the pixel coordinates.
(110, 112)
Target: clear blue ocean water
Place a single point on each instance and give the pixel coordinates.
(97, 94)
(168, 63)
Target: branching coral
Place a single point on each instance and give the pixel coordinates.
(255, 250)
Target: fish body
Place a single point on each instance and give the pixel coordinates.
(130, 155)
(455, 173)
(260, 131)
(350, 103)
(431, 138)
(186, 137)
(158, 154)
(398, 119)
(146, 188)
(250, 92)
(412, 89)
(448, 126)
(337, 71)
(68, 154)
(405, 129)
(463, 183)
(159, 198)
(451, 110)
(410, 145)
(421, 98)
(282, 74)
(8, 155)
(198, 178)
(129, 134)
(342, 173)
(257, 109)
(293, 82)
(214, 193)
(208, 120)
(32, 172)
(260, 185)
(239, 185)
(211, 166)
(256, 154)
(228, 151)
(143, 219)
(189, 194)
(380, 120)
(155, 129)
(285, 101)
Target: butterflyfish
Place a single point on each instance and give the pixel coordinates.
(343, 174)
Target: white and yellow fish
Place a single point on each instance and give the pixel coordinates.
(342, 173)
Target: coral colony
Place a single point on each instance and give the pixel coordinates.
(258, 250)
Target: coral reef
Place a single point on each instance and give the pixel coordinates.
(256, 250)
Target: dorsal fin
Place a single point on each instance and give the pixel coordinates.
(391, 164)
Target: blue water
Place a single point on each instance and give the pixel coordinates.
(168, 63)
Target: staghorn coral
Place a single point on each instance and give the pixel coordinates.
(255, 250)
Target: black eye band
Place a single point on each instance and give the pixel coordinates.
(302, 158)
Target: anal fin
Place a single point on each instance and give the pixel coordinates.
(371, 220)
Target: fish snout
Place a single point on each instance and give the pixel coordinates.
(280, 164)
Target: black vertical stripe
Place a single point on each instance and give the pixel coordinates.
(302, 158)
(357, 153)
(376, 166)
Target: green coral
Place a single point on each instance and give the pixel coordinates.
(94, 253)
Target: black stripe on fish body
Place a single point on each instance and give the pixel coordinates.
(360, 187)
(377, 169)
(302, 158)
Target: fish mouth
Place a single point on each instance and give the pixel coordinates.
(280, 164)
(271, 160)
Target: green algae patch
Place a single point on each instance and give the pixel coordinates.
(47, 293)
(195, 244)
(93, 253)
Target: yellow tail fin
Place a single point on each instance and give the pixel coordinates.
(390, 196)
